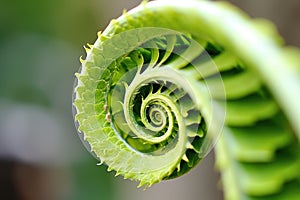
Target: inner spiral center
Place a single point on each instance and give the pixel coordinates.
(150, 101)
(156, 116)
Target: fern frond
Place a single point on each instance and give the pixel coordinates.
(162, 82)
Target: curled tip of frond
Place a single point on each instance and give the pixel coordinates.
(117, 174)
(114, 22)
(100, 163)
(189, 146)
(81, 60)
(140, 184)
(192, 134)
(109, 169)
(87, 49)
(77, 75)
(99, 34)
(185, 114)
(124, 12)
(185, 158)
(102, 37)
(128, 176)
(89, 45)
(178, 167)
(201, 134)
(144, 184)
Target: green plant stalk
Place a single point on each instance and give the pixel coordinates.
(257, 153)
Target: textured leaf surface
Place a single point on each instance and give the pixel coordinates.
(161, 82)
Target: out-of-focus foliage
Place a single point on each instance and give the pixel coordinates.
(40, 45)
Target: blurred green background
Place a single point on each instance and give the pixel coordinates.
(41, 156)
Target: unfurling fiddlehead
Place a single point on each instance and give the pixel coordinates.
(134, 97)
(153, 90)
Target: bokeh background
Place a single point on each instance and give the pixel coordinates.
(41, 156)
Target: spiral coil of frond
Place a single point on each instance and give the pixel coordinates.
(153, 90)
